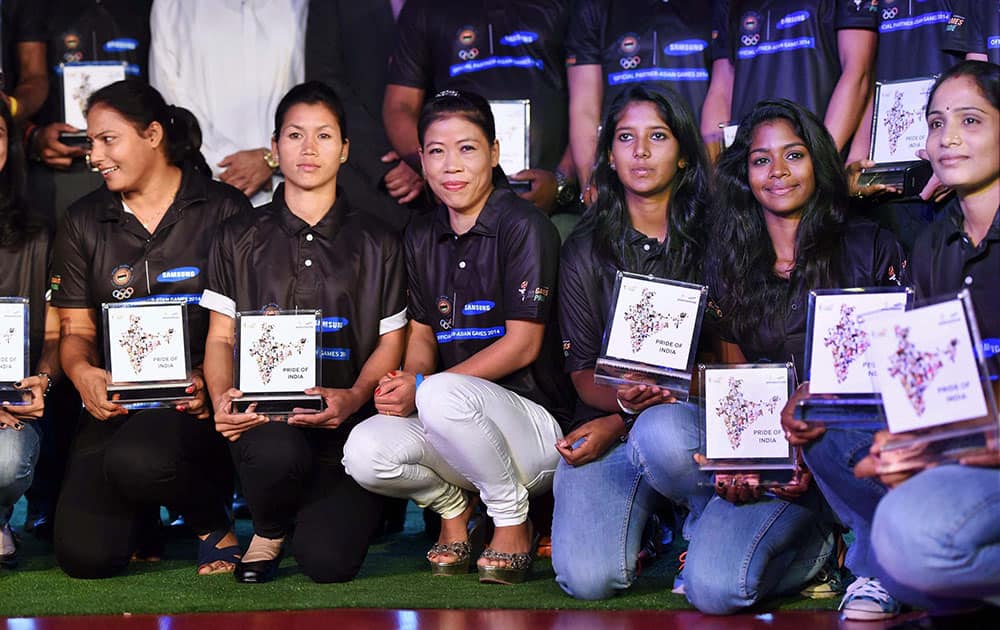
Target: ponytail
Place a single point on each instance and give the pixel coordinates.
(142, 105)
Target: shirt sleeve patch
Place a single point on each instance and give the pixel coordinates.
(219, 303)
(391, 323)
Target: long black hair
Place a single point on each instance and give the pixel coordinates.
(608, 216)
(17, 224)
(142, 105)
(741, 261)
(467, 105)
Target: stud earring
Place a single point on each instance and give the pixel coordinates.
(682, 164)
(613, 167)
(343, 159)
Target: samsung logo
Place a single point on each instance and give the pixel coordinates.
(122, 44)
(332, 324)
(685, 47)
(178, 274)
(792, 19)
(518, 38)
(478, 307)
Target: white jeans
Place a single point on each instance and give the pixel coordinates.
(469, 434)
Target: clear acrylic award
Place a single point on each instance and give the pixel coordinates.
(15, 354)
(899, 130)
(842, 386)
(80, 80)
(741, 419)
(652, 333)
(937, 396)
(513, 129)
(276, 360)
(146, 352)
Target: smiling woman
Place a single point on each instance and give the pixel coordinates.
(145, 234)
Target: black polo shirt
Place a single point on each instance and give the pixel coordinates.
(944, 261)
(871, 257)
(103, 254)
(466, 287)
(910, 39)
(347, 265)
(92, 30)
(21, 21)
(509, 49)
(25, 275)
(786, 48)
(644, 41)
(586, 289)
(974, 27)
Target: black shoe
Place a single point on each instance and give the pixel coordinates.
(257, 572)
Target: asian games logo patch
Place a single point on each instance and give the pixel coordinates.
(121, 277)
(466, 37)
(750, 25)
(628, 47)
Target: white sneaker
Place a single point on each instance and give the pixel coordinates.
(866, 600)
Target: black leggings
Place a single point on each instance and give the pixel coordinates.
(294, 482)
(121, 468)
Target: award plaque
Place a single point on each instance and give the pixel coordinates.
(276, 360)
(842, 386)
(14, 350)
(741, 419)
(513, 127)
(146, 352)
(652, 334)
(899, 130)
(80, 80)
(931, 370)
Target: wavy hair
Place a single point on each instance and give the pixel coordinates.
(17, 224)
(608, 216)
(740, 266)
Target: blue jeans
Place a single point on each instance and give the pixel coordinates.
(742, 554)
(601, 507)
(938, 533)
(18, 455)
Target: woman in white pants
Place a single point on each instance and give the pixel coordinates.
(477, 408)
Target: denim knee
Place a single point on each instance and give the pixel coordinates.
(582, 578)
(18, 453)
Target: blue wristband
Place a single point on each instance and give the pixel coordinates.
(420, 379)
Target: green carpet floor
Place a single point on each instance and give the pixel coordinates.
(394, 576)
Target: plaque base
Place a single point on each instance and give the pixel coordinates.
(908, 178)
(612, 372)
(940, 445)
(279, 404)
(841, 411)
(13, 397)
(766, 477)
(172, 392)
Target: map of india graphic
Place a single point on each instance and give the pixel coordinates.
(269, 353)
(915, 368)
(644, 321)
(847, 341)
(897, 120)
(138, 343)
(738, 413)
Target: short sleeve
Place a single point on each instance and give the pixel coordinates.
(411, 64)
(850, 14)
(393, 316)
(584, 45)
(69, 281)
(29, 22)
(530, 249)
(220, 294)
(416, 296)
(580, 317)
(722, 47)
(964, 30)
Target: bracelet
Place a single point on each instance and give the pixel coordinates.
(48, 384)
(419, 379)
(625, 410)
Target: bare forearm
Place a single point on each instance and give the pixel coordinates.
(597, 396)
(387, 356)
(518, 348)
(850, 95)
(218, 366)
(400, 112)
